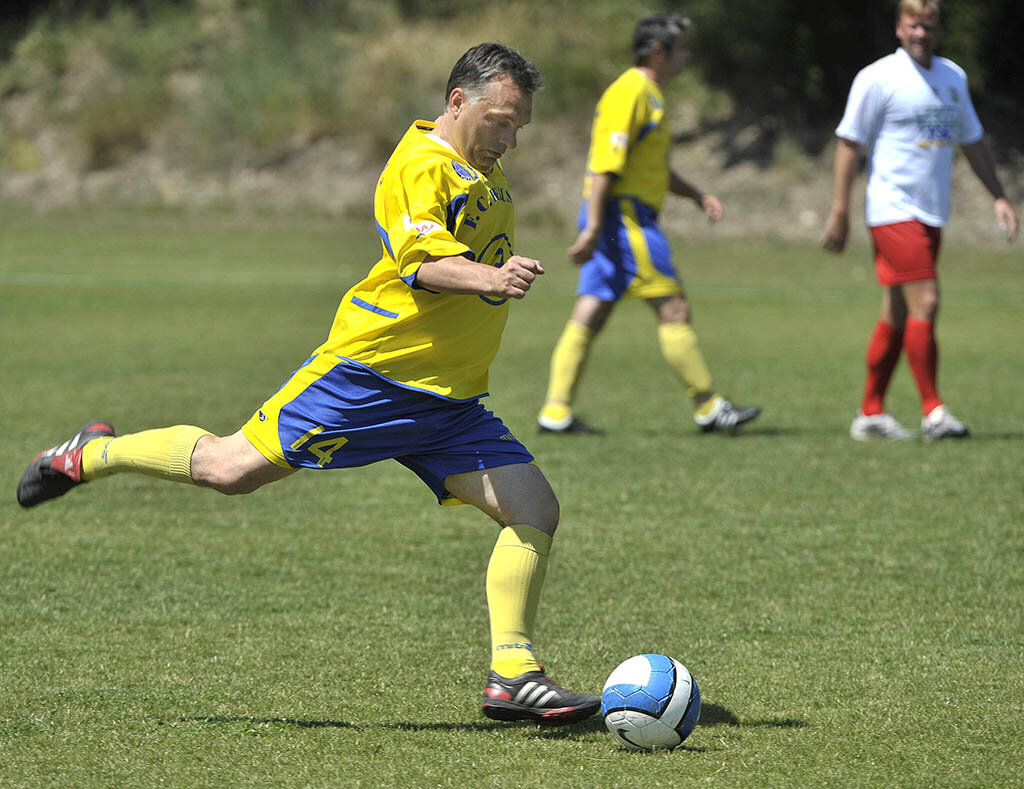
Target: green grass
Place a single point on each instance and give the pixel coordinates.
(851, 612)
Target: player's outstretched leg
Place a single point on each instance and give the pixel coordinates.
(57, 470)
(95, 452)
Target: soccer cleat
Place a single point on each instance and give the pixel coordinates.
(884, 425)
(939, 424)
(56, 471)
(534, 697)
(726, 417)
(571, 424)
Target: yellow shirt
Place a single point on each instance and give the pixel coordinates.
(429, 201)
(630, 139)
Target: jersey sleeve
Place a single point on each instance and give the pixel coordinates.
(619, 117)
(412, 215)
(971, 129)
(864, 109)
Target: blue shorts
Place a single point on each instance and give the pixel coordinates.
(633, 257)
(336, 414)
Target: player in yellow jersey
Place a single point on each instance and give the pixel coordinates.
(620, 247)
(402, 373)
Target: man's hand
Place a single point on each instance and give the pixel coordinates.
(1006, 218)
(837, 229)
(585, 246)
(515, 278)
(712, 207)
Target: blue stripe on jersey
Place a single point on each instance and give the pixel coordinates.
(367, 306)
(646, 130)
(359, 366)
(455, 208)
(384, 237)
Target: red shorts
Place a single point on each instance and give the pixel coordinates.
(905, 252)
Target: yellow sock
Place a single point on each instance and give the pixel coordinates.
(567, 363)
(515, 576)
(681, 350)
(164, 453)
(708, 407)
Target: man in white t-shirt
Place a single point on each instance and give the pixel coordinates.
(909, 110)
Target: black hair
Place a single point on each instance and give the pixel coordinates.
(656, 29)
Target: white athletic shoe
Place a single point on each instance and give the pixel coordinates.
(941, 424)
(884, 425)
(725, 417)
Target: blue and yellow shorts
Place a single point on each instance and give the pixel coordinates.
(333, 413)
(633, 257)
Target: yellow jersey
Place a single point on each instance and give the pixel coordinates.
(631, 140)
(429, 201)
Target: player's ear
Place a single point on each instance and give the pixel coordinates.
(456, 101)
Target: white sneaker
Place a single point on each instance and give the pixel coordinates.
(884, 425)
(725, 417)
(941, 424)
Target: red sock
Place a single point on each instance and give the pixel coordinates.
(883, 353)
(923, 357)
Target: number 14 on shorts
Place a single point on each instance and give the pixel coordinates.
(322, 450)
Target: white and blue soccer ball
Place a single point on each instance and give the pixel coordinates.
(650, 702)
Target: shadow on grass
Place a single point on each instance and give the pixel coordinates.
(714, 715)
(304, 724)
(710, 715)
(1009, 435)
(394, 725)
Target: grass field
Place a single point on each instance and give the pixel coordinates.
(852, 613)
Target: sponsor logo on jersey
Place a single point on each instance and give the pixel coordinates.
(619, 139)
(937, 126)
(421, 228)
(464, 172)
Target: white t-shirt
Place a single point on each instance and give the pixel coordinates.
(911, 119)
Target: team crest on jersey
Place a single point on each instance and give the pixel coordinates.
(464, 172)
(421, 228)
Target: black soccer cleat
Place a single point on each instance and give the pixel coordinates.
(534, 697)
(728, 417)
(56, 471)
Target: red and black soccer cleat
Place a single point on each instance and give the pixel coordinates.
(534, 697)
(57, 470)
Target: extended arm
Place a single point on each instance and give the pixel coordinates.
(980, 159)
(709, 204)
(465, 276)
(837, 227)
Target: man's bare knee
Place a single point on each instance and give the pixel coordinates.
(232, 466)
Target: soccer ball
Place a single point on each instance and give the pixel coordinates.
(650, 702)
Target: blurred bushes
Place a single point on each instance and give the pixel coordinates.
(220, 84)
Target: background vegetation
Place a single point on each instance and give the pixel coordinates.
(201, 87)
